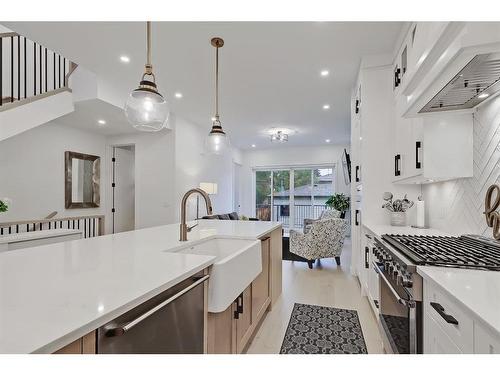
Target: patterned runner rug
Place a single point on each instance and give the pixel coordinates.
(323, 330)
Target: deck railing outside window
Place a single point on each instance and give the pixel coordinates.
(281, 213)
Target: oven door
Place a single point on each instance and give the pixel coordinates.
(399, 315)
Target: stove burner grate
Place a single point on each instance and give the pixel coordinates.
(464, 251)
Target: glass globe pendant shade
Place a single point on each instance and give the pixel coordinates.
(146, 109)
(217, 142)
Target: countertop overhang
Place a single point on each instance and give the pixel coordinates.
(54, 294)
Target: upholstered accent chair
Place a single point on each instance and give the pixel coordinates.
(326, 214)
(324, 239)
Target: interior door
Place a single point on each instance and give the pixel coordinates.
(124, 190)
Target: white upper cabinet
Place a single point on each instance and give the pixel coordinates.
(436, 147)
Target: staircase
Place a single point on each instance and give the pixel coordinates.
(33, 84)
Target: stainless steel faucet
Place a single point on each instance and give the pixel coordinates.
(184, 228)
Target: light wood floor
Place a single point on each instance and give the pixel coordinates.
(325, 285)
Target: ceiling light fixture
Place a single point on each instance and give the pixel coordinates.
(253, 146)
(327, 141)
(324, 73)
(101, 122)
(483, 95)
(217, 142)
(146, 109)
(124, 59)
(178, 95)
(326, 106)
(279, 137)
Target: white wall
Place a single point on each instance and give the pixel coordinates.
(32, 170)
(288, 156)
(154, 176)
(457, 206)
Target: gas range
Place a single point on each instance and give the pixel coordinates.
(395, 260)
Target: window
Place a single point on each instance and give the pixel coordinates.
(290, 195)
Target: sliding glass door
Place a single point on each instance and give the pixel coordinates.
(290, 195)
(281, 197)
(263, 198)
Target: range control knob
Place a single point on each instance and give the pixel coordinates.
(395, 273)
(407, 281)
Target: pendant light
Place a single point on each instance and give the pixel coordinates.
(217, 141)
(146, 109)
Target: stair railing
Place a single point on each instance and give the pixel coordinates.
(29, 70)
(90, 226)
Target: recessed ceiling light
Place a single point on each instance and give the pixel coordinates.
(483, 95)
(324, 73)
(178, 95)
(101, 122)
(327, 140)
(124, 59)
(253, 146)
(326, 106)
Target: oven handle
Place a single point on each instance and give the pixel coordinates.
(402, 301)
(111, 331)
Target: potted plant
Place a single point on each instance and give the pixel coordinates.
(339, 202)
(4, 204)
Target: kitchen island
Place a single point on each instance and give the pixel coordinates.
(55, 294)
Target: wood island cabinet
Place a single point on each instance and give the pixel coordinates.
(231, 331)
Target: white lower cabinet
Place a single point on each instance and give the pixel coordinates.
(484, 341)
(369, 278)
(436, 341)
(449, 328)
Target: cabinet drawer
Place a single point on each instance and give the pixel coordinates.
(453, 320)
(436, 341)
(485, 342)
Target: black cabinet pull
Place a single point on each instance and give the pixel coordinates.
(356, 214)
(239, 306)
(397, 76)
(356, 106)
(367, 251)
(240, 303)
(418, 146)
(357, 173)
(397, 170)
(440, 310)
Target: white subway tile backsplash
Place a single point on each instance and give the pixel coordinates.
(457, 206)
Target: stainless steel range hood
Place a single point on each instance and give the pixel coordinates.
(478, 80)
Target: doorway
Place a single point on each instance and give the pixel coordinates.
(123, 188)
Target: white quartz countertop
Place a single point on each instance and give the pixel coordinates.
(477, 291)
(53, 294)
(380, 229)
(36, 235)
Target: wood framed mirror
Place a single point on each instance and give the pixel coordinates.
(82, 180)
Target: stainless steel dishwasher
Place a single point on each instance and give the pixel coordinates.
(169, 323)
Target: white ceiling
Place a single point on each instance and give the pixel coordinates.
(270, 71)
(87, 114)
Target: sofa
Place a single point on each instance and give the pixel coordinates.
(229, 216)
